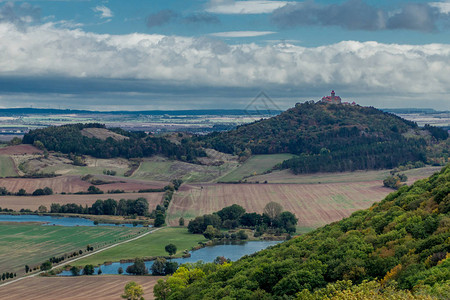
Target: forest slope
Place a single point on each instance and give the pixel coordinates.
(72, 139)
(402, 242)
(330, 137)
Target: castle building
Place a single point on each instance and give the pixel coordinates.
(332, 99)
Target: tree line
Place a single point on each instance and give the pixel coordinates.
(110, 207)
(69, 139)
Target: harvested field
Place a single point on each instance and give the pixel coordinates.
(60, 164)
(73, 184)
(102, 134)
(19, 150)
(313, 204)
(286, 176)
(81, 287)
(33, 202)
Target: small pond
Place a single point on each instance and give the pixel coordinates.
(60, 221)
(230, 250)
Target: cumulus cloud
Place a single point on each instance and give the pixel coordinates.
(243, 7)
(444, 7)
(104, 11)
(357, 15)
(239, 34)
(46, 51)
(161, 18)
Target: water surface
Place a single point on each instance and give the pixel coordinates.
(230, 250)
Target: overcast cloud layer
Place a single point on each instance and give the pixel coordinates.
(358, 15)
(39, 59)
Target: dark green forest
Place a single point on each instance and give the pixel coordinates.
(398, 247)
(68, 139)
(329, 138)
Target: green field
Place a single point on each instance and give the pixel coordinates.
(31, 244)
(81, 170)
(7, 166)
(255, 165)
(148, 246)
(166, 170)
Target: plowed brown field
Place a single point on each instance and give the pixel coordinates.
(313, 204)
(19, 150)
(33, 202)
(73, 184)
(80, 287)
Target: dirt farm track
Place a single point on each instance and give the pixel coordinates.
(107, 287)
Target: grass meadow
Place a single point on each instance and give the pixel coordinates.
(255, 165)
(148, 246)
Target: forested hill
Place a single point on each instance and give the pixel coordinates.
(70, 139)
(401, 245)
(328, 138)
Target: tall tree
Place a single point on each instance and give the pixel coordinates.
(133, 291)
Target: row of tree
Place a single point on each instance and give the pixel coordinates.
(69, 139)
(22, 192)
(105, 207)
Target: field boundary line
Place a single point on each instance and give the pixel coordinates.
(84, 256)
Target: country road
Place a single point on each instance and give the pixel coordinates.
(82, 257)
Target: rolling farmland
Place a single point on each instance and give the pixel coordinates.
(73, 184)
(32, 244)
(286, 176)
(103, 287)
(313, 204)
(255, 165)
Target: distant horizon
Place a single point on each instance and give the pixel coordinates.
(199, 109)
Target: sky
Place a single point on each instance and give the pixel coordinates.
(209, 54)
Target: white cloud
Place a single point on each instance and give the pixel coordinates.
(444, 7)
(359, 67)
(244, 7)
(239, 34)
(104, 11)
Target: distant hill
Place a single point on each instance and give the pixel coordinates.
(401, 244)
(95, 140)
(192, 112)
(329, 138)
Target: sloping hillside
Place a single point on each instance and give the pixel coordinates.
(401, 243)
(328, 137)
(90, 139)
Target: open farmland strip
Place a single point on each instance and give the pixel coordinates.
(33, 202)
(313, 204)
(81, 287)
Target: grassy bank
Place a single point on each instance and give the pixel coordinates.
(149, 246)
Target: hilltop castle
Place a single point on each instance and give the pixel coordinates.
(332, 99)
